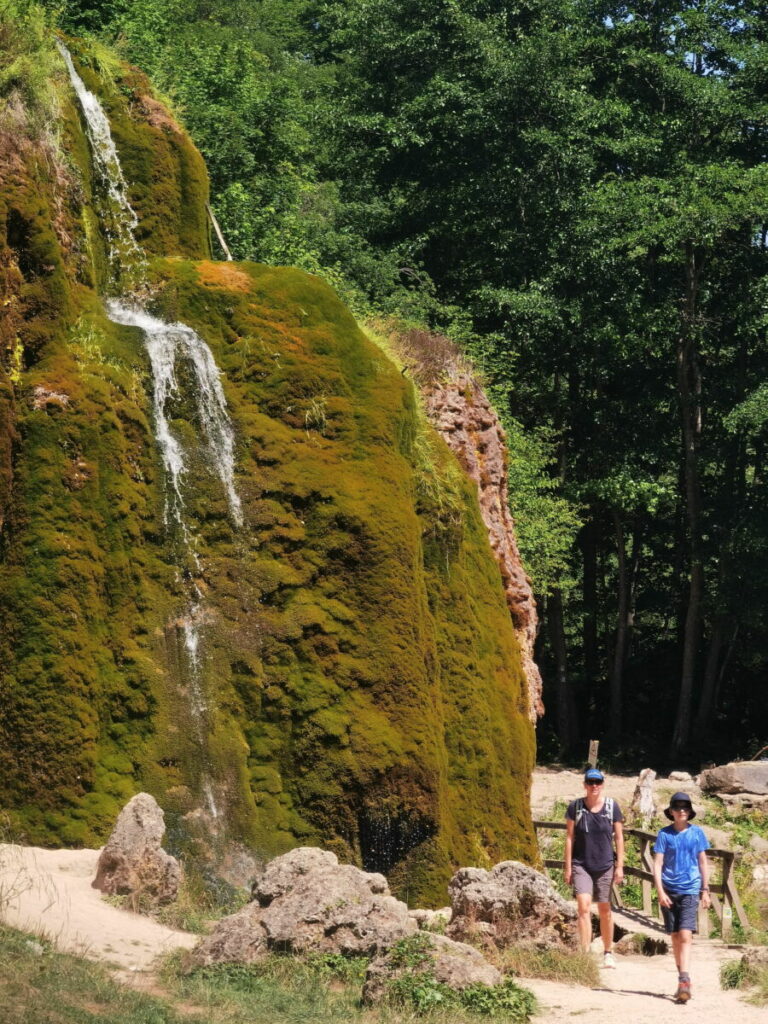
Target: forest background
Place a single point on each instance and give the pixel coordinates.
(575, 192)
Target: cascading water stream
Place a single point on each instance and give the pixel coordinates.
(166, 344)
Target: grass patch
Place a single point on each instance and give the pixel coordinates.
(40, 986)
(572, 968)
(744, 975)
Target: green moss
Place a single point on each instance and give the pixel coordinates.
(361, 675)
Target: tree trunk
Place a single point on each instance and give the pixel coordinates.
(589, 633)
(622, 625)
(566, 708)
(689, 397)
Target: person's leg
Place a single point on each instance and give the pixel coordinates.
(606, 925)
(675, 936)
(685, 940)
(584, 921)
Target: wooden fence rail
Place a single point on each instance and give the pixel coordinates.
(725, 898)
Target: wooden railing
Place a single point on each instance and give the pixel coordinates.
(725, 898)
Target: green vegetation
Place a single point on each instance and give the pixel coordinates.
(570, 968)
(40, 986)
(576, 193)
(749, 975)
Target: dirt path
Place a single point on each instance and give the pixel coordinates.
(640, 990)
(48, 893)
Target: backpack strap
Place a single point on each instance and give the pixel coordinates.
(579, 810)
(608, 809)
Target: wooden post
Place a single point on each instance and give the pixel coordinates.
(592, 759)
(645, 860)
(727, 925)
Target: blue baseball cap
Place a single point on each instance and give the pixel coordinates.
(593, 775)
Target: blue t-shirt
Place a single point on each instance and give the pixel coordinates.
(680, 870)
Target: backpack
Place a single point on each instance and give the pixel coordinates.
(607, 811)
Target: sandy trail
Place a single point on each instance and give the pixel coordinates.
(48, 893)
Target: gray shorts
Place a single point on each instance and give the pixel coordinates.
(684, 912)
(598, 886)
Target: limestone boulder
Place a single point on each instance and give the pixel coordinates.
(512, 903)
(305, 901)
(643, 807)
(133, 862)
(432, 920)
(736, 777)
(452, 963)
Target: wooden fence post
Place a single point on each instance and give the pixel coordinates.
(592, 759)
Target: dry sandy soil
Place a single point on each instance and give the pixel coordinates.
(49, 893)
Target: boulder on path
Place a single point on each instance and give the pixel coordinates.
(737, 777)
(133, 863)
(512, 903)
(454, 964)
(305, 901)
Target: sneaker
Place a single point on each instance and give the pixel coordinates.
(609, 960)
(683, 993)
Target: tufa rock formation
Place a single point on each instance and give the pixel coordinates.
(305, 901)
(460, 411)
(512, 903)
(361, 683)
(133, 863)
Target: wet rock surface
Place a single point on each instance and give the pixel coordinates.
(133, 863)
(305, 901)
(451, 963)
(512, 903)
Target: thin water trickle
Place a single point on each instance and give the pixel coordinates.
(166, 344)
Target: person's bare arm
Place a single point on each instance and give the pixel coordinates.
(570, 828)
(618, 836)
(706, 899)
(658, 860)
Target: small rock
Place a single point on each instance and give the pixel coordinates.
(759, 846)
(133, 863)
(681, 777)
(760, 877)
(452, 963)
(35, 947)
(510, 903)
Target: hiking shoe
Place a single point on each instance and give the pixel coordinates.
(609, 960)
(683, 993)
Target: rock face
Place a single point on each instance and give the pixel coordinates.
(737, 777)
(510, 903)
(461, 412)
(133, 862)
(306, 901)
(452, 963)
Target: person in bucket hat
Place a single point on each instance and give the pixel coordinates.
(593, 824)
(681, 874)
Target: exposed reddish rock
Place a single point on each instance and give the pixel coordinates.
(459, 409)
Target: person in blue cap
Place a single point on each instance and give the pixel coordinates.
(681, 874)
(593, 825)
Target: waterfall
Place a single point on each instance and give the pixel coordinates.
(166, 345)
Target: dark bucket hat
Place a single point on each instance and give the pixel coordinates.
(680, 798)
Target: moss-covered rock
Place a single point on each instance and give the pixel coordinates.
(361, 677)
